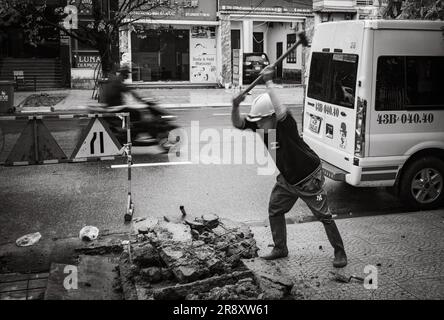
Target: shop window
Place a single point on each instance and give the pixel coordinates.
(291, 40)
(161, 55)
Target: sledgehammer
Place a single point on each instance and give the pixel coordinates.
(302, 40)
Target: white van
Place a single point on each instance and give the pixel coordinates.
(374, 107)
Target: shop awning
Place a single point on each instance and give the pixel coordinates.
(335, 10)
(184, 22)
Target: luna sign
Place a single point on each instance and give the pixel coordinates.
(87, 61)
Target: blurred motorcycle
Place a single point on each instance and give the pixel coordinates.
(149, 124)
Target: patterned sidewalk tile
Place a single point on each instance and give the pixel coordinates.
(425, 288)
(407, 251)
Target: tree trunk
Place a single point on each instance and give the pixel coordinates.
(109, 53)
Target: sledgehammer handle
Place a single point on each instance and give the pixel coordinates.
(302, 40)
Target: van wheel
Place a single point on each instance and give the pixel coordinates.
(422, 183)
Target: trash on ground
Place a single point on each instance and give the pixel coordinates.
(89, 233)
(28, 240)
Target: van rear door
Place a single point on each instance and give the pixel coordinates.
(330, 104)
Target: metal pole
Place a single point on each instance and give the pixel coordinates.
(36, 140)
(303, 71)
(130, 205)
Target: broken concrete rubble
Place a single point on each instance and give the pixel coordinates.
(101, 246)
(145, 255)
(274, 287)
(181, 291)
(175, 232)
(143, 225)
(152, 274)
(244, 289)
(198, 260)
(183, 262)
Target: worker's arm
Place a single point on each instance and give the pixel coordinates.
(279, 108)
(236, 118)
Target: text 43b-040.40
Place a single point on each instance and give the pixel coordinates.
(405, 118)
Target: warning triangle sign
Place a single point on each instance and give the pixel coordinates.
(35, 145)
(97, 140)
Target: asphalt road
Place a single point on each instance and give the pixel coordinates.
(58, 200)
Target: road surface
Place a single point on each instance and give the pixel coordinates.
(58, 200)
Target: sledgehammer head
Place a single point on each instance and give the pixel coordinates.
(303, 39)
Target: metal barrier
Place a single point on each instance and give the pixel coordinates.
(38, 139)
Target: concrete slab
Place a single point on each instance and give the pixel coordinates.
(97, 280)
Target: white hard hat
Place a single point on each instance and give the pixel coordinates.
(261, 107)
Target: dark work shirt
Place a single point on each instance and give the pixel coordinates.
(294, 158)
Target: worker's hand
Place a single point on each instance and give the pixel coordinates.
(268, 73)
(238, 100)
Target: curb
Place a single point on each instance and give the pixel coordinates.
(36, 109)
(213, 105)
(165, 106)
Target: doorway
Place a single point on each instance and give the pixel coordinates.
(258, 42)
(279, 52)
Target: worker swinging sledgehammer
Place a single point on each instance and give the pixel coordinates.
(300, 169)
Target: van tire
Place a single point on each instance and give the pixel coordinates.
(415, 189)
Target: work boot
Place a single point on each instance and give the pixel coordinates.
(335, 239)
(278, 228)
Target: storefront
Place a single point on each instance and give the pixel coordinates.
(177, 45)
(267, 26)
(85, 59)
(45, 61)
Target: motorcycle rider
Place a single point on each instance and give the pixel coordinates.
(114, 92)
(115, 89)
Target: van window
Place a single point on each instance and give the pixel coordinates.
(333, 78)
(405, 82)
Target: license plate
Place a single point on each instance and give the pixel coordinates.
(315, 124)
(257, 68)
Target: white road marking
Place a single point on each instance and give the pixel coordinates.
(155, 164)
(225, 114)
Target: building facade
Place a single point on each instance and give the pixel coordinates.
(267, 26)
(194, 43)
(45, 64)
(337, 10)
(191, 43)
(173, 45)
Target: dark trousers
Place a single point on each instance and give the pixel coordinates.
(284, 196)
(311, 191)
